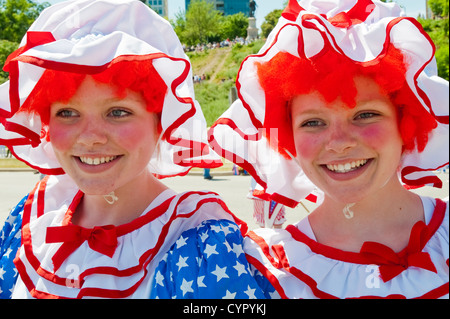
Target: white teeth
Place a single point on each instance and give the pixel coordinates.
(347, 167)
(97, 160)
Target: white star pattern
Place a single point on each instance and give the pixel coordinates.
(230, 229)
(204, 237)
(10, 241)
(240, 268)
(220, 270)
(220, 273)
(182, 262)
(186, 286)
(9, 251)
(200, 283)
(229, 295)
(159, 279)
(210, 250)
(216, 229)
(10, 220)
(181, 242)
(229, 249)
(250, 293)
(237, 249)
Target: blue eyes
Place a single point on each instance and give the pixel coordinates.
(119, 113)
(312, 123)
(367, 115)
(361, 117)
(114, 113)
(65, 113)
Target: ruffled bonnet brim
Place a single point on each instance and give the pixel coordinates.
(362, 31)
(85, 36)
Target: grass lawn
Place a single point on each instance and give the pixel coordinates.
(11, 163)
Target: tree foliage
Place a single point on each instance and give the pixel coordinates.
(235, 25)
(6, 47)
(16, 16)
(439, 7)
(270, 22)
(202, 23)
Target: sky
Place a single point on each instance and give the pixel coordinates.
(411, 7)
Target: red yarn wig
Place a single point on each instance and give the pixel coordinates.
(59, 86)
(331, 74)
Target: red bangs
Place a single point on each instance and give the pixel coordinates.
(332, 75)
(59, 86)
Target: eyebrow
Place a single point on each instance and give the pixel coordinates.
(126, 97)
(309, 112)
(370, 102)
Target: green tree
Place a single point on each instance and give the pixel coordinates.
(439, 7)
(438, 31)
(16, 16)
(235, 25)
(270, 22)
(202, 23)
(6, 47)
(179, 25)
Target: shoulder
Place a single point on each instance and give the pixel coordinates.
(198, 200)
(207, 261)
(10, 240)
(437, 216)
(438, 225)
(12, 225)
(200, 206)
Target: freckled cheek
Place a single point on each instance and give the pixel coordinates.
(136, 138)
(61, 137)
(307, 146)
(378, 136)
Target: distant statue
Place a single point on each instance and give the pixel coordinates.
(252, 6)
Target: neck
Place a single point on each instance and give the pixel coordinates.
(385, 217)
(119, 207)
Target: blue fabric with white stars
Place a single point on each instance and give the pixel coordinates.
(208, 262)
(10, 240)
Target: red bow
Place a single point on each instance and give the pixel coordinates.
(101, 239)
(392, 264)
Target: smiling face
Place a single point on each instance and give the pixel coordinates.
(102, 141)
(349, 153)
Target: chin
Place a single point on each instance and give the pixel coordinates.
(95, 189)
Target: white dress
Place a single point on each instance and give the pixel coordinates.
(60, 260)
(300, 267)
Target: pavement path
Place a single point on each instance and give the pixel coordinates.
(233, 189)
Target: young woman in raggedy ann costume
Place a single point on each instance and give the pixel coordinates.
(344, 97)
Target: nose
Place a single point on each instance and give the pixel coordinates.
(341, 138)
(92, 132)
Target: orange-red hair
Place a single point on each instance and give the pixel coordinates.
(60, 86)
(332, 75)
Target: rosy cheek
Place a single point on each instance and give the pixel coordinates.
(129, 137)
(378, 135)
(61, 137)
(139, 137)
(307, 145)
